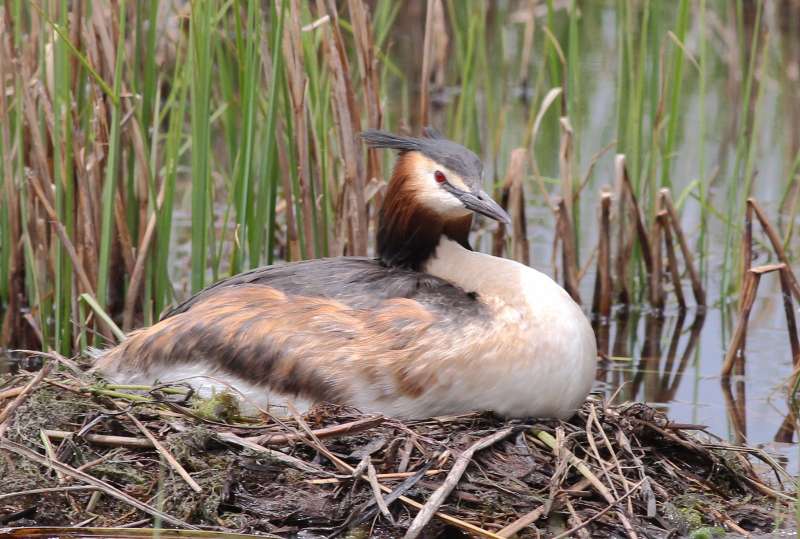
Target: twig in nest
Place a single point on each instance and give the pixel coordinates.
(269, 440)
(277, 455)
(368, 511)
(384, 476)
(438, 497)
(23, 451)
(166, 454)
(314, 442)
(103, 439)
(5, 415)
(575, 520)
(343, 429)
(46, 490)
(342, 465)
(725, 519)
(376, 491)
(579, 464)
(532, 516)
(599, 513)
(11, 393)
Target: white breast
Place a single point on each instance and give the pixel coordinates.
(549, 367)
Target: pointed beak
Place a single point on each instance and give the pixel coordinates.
(483, 204)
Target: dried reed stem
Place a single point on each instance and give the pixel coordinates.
(737, 417)
(425, 75)
(512, 197)
(791, 321)
(348, 124)
(516, 201)
(777, 245)
(625, 244)
(12, 319)
(672, 260)
(641, 231)
(164, 452)
(103, 439)
(601, 303)
(564, 233)
(368, 65)
(575, 461)
(747, 245)
(297, 84)
(565, 163)
(325, 432)
(622, 256)
(385, 476)
(10, 393)
(748, 296)
(656, 285)
(138, 267)
(71, 488)
(697, 285)
(459, 467)
(501, 194)
(372, 475)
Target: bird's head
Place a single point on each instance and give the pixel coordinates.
(436, 187)
(438, 174)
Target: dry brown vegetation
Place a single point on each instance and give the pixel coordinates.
(138, 458)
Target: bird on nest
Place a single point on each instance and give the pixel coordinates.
(429, 327)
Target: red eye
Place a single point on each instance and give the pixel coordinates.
(440, 177)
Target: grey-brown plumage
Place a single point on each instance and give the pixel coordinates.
(358, 282)
(290, 328)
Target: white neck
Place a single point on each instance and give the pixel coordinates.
(482, 273)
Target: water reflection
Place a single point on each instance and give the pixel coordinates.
(672, 362)
(735, 402)
(656, 376)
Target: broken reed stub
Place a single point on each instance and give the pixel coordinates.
(747, 299)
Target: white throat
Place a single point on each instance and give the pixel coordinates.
(488, 275)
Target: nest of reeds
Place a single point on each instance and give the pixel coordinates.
(77, 452)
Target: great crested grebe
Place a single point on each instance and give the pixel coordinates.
(427, 328)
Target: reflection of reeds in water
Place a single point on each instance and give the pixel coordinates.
(657, 376)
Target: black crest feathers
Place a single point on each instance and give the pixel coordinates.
(433, 145)
(382, 139)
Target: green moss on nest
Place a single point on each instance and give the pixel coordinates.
(692, 517)
(223, 406)
(707, 533)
